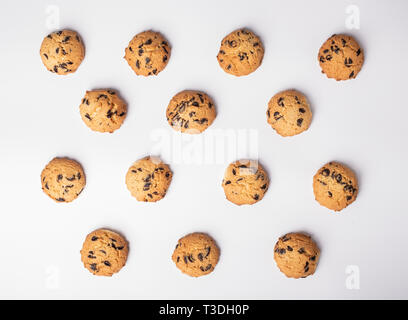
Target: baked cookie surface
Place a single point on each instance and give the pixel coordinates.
(241, 52)
(103, 110)
(341, 57)
(245, 182)
(289, 113)
(148, 179)
(196, 254)
(63, 179)
(335, 186)
(190, 112)
(104, 252)
(296, 255)
(62, 52)
(148, 53)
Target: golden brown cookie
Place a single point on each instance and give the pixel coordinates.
(63, 179)
(103, 110)
(289, 113)
(341, 57)
(296, 255)
(241, 53)
(245, 182)
(196, 254)
(190, 112)
(62, 51)
(148, 53)
(335, 186)
(148, 179)
(104, 252)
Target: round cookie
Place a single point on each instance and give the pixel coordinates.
(190, 112)
(148, 179)
(245, 182)
(196, 254)
(103, 110)
(296, 255)
(63, 179)
(341, 57)
(335, 186)
(241, 53)
(289, 113)
(148, 53)
(104, 252)
(62, 51)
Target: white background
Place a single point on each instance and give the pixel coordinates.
(361, 122)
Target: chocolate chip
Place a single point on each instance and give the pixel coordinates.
(93, 266)
(285, 238)
(326, 172)
(206, 268)
(289, 248)
(227, 182)
(277, 116)
(330, 194)
(94, 238)
(299, 122)
(107, 263)
(256, 197)
(301, 110)
(301, 250)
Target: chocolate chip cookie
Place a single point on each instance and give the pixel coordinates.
(62, 52)
(190, 112)
(241, 52)
(148, 179)
(245, 182)
(148, 53)
(63, 179)
(289, 113)
(296, 255)
(196, 254)
(341, 57)
(335, 186)
(103, 110)
(104, 252)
